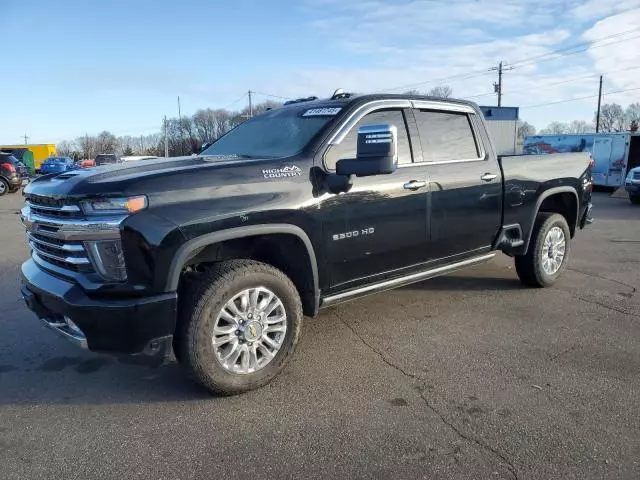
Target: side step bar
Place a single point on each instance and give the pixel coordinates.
(406, 280)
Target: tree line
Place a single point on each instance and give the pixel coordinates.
(185, 135)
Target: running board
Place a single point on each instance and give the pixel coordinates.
(401, 281)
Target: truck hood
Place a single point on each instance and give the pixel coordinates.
(141, 177)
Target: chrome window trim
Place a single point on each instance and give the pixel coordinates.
(445, 106)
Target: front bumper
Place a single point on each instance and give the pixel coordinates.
(633, 189)
(115, 325)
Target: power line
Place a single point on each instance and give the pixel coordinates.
(541, 86)
(234, 102)
(526, 61)
(580, 98)
(271, 95)
(461, 76)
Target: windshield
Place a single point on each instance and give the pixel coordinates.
(55, 160)
(276, 133)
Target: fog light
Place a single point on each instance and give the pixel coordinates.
(108, 259)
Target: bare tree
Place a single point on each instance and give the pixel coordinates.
(442, 91)
(66, 148)
(106, 142)
(556, 128)
(580, 126)
(632, 114)
(525, 129)
(612, 118)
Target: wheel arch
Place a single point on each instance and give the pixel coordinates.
(555, 200)
(193, 247)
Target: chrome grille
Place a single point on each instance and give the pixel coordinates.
(44, 219)
(50, 208)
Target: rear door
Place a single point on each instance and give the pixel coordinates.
(465, 182)
(618, 163)
(602, 156)
(378, 229)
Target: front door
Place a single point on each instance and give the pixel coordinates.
(465, 184)
(378, 229)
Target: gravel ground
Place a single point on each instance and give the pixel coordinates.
(464, 376)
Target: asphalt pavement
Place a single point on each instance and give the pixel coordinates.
(465, 376)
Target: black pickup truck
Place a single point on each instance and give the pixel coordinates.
(218, 256)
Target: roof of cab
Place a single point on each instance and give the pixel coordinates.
(354, 99)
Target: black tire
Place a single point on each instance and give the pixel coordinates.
(634, 199)
(4, 187)
(200, 306)
(529, 266)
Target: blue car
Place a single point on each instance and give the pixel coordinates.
(56, 165)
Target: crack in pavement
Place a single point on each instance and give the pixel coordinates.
(457, 431)
(378, 352)
(468, 438)
(595, 275)
(604, 305)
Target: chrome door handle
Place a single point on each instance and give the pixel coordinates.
(487, 177)
(414, 185)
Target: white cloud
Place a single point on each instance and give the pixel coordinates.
(593, 9)
(619, 57)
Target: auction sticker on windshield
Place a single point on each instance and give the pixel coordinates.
(314, 112)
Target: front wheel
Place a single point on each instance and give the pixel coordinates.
(635, 199)
(548, 251)
(239, 326)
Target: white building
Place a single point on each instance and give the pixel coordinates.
(502, 123)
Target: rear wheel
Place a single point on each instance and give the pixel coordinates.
(4, 186)
(635, 199)
(548, 251)
(239, 326)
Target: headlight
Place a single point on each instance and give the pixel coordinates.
(108, 258)
(106, 206)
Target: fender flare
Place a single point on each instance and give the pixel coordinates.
(183, 253)
(541, 198)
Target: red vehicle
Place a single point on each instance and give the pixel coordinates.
(86, 163)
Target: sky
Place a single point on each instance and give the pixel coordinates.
(75, 67)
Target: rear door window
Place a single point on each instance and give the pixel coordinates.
(446, 136)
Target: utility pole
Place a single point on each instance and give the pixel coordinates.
(599, 102)
(166, 139)
(180, 124)
(497, 87)
(250, 106)
(86, 142)
(25, 139)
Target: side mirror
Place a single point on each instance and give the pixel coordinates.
(377, 152)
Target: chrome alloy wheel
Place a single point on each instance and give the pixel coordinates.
(249, 330)
(553, 250)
